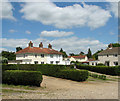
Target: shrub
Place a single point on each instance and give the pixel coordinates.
(102, 77)
(22, 77)
(100, 64)
(76, 75)
(112, 70)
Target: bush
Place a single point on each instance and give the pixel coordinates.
(76, 75)
(112, 70)
(103, 77)
(100, 64)
(22, 77)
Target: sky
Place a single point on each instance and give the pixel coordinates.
(72, 26)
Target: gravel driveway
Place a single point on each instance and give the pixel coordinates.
(57, 88)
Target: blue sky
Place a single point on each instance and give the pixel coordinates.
(74, 27)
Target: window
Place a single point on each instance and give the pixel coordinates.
(115, 55)
(51, 62)
(107, 55)
(57, 62)
(42, 62)
(36, 62)
(51, 55)
(42, 55)
(92, 63)
(24, 55)
(35, 55)
(115, 63)
(68, 59)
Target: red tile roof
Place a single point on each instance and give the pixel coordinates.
(38, 50)
(77, 57)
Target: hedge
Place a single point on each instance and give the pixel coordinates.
(76, 75)
(111, 70)
(22, 77)
(51, 70)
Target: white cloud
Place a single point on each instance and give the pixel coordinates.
(72, 44)
(55, 33)
(3, 49)
(66, 17)
(6, 11)
(28, 32)
(114, 8)
(12, 31)
(111, 33)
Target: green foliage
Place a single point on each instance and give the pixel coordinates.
(103, 77)
(112, 70)
(20, 77)
(82, 53)
(100, 64)
(89, 55)
(18, 49)
(9, 55)
(47, 69)
(116, 44)
(95, 55)
(76, 75)
(64, 53)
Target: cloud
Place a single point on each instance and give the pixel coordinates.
(66, 17)
(28, 32)
(72, 44)
(3, 49)
(55, 33)
(12, 31)
(111, 33)
(114, 8)
(6, 10)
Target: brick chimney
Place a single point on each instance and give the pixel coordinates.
(30, 44)
(50, 46)
(41, 45)
(110, 46)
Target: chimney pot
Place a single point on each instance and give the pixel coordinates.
(30, 44)
(50, 46)
(41, 45)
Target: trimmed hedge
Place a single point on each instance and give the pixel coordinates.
(22, 77)
(111, 70)
(76, 75)
(51, 70)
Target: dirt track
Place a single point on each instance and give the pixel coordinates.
(57, 88)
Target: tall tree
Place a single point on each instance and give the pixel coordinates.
(116, 44)
(64, 53)
(89, 55)
(18, 49)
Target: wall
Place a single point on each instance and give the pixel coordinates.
(110, 58)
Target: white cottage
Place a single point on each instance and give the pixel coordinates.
(38, 55)
(110, 56)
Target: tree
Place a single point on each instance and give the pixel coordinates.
(64, 53)
(72, 54)
(82, 53)
(8, 55)
(116, 44)
(18, 49)
(89, 55)
(95, 55)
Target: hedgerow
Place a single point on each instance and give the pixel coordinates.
(22, 77)
(109, 70)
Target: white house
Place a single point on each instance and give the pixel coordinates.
(39, 55)
(110, 56)
(80, 58)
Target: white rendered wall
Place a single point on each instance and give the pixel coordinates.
(110, 58)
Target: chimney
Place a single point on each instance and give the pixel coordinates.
(41, 45)
(30, 44)
(50, 46)
(110, 46)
